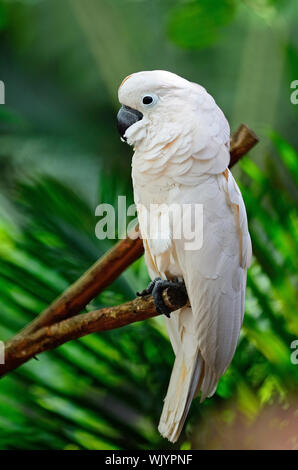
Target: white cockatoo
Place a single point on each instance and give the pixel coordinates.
(181, 156)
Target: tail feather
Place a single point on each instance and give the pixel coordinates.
(184, 383)
(209, 384)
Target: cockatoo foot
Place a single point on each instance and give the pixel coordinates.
(156, 288)
(148, 289)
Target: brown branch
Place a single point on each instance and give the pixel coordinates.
(242, 141)
(90, 284)
(20, 350)
(50, 328)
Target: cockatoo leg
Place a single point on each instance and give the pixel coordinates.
(156, 288)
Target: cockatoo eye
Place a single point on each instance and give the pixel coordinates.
(149, 100)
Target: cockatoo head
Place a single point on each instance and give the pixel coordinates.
(174, 125)
(152, 99)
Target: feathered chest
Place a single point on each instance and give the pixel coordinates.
(178, 158)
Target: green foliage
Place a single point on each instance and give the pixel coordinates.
(3, 16)
(198, 23)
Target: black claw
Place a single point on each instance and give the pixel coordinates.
(156, 288)
(148, 289)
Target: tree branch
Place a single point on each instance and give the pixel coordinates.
(90, 284)
(59, 322)
(20, 349)
(242, 141)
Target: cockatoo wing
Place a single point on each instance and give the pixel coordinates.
(215, 276)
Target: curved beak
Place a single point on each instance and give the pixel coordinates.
(126, 117)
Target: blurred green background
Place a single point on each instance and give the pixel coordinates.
(60, 156)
